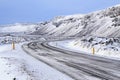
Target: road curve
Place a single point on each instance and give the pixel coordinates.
(76, 65)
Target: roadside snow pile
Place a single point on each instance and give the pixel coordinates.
(19, 65)
(112, 44)
(107, 47)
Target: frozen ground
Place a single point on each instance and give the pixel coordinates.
(109, 51)
(17, 64)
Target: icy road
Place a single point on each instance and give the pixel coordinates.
(77, 66)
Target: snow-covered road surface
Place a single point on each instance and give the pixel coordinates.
(17, 64)
(77, 66)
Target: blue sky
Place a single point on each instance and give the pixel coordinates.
(21, 11)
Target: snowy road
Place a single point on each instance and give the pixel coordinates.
(77, 66)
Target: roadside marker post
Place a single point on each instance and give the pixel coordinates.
(13, 45)
(93, 51)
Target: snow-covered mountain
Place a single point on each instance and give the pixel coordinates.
(18, 27)
(104, 23)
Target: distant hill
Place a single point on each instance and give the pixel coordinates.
(18, 27)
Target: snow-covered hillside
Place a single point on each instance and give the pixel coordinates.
(104, 23)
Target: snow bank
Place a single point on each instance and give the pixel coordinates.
(11, 68)
(5, 48)
(80, 47)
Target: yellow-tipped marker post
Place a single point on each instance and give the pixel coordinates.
(93, 51)
(13, 45)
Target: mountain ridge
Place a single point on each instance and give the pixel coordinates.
(102, 23)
